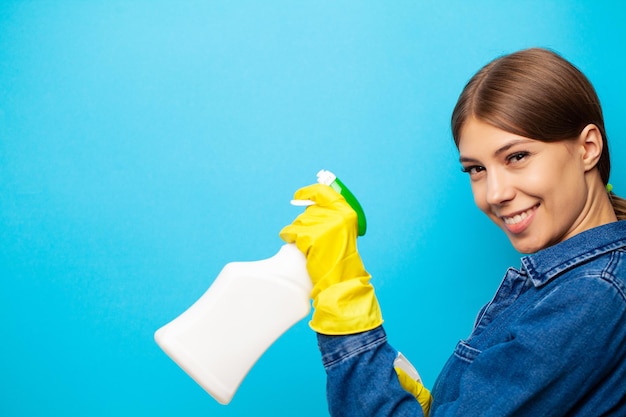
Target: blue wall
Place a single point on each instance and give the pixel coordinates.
(145, 144)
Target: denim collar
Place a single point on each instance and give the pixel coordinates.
(548, 263)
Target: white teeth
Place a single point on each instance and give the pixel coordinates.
(515, 219)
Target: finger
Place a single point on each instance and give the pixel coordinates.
(288, 234)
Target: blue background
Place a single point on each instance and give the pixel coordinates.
(145, 144)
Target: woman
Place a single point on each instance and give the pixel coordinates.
(552, 342)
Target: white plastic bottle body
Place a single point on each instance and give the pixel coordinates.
(247, 308)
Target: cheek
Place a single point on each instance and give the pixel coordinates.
(558, 183)
(536, 183)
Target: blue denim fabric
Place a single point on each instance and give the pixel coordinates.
(552, 342)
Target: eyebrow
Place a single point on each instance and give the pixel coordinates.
(498, 151)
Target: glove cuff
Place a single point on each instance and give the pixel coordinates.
(347, 307)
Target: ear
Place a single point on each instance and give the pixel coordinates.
(591, 143)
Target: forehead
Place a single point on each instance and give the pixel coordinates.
(478, 138)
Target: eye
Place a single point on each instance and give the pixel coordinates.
(473, 169)
(517, 156)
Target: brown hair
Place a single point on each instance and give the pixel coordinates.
(537, 94)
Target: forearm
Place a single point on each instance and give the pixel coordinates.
(361, 377)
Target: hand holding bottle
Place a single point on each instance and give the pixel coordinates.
(343, 297)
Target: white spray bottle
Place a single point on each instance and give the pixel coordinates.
(248, 307)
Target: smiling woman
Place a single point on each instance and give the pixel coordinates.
(552, 342)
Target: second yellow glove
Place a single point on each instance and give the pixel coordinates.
(410, 380)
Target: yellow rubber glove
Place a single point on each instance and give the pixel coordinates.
(344, 301)
(412, 383)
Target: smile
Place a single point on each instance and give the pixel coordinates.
(518, 222)
(517, 218)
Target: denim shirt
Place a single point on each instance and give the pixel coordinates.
(552, 342)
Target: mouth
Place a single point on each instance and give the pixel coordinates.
(517, 222)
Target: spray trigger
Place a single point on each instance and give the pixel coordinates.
(302, 203)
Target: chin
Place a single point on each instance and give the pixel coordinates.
(526, 251)
(525, 246)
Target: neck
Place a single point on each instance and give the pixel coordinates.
(601, 208)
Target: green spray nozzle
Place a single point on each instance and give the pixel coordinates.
(330, 179)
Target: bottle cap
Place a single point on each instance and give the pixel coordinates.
(326, 177)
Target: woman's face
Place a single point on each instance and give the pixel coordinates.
(535, 191)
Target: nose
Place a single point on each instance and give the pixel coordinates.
(499, 188)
